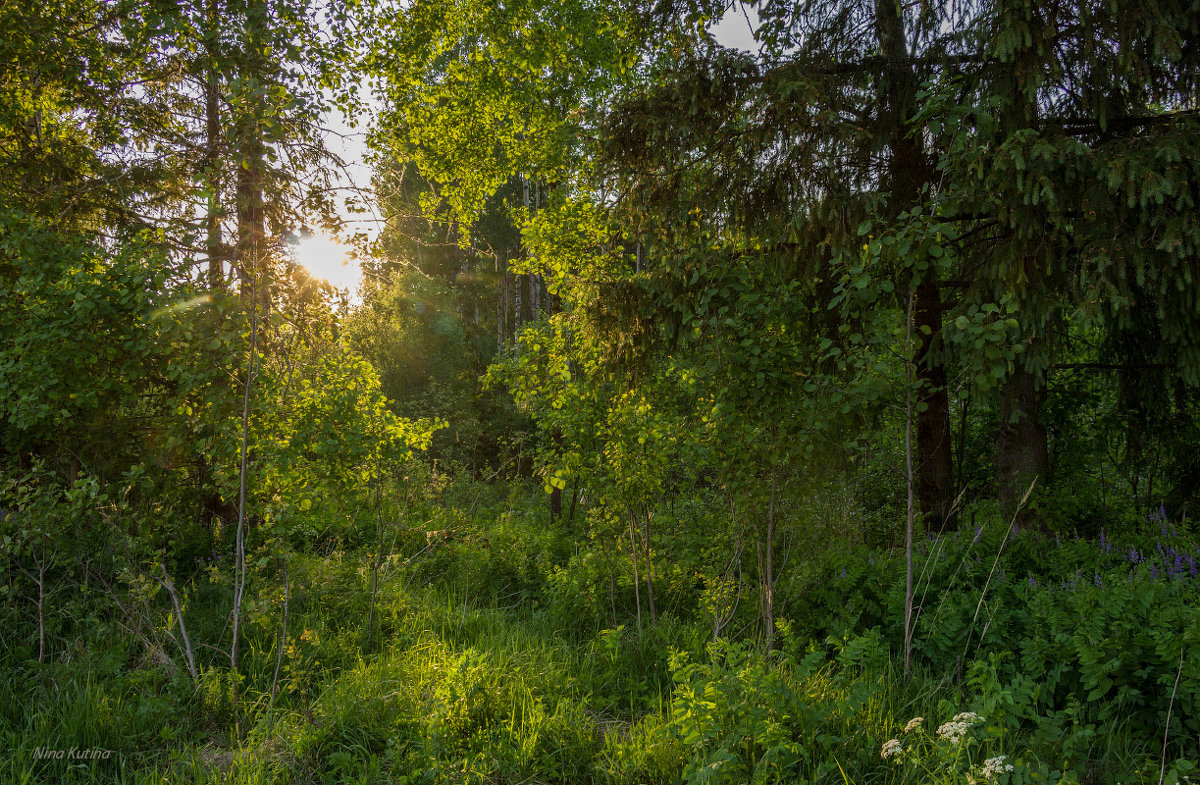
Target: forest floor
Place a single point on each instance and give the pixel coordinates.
(492, 656)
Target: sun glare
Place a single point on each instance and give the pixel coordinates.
(330, 260)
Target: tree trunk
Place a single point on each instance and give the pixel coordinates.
(251, 163)
(1021, 448)
(251, 261)
(212, 123)
(935, 472)
(908, 172)
(251, 264)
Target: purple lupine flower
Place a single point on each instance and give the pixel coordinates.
(978, 535)
(1032, 581)
(1153, 571)
(1104, 546)
(1097, 581)
(1192, 571)
(1134, 557)
(843, 572)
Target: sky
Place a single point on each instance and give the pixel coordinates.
(328, 256)
(735, 30)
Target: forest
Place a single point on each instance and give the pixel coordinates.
(820, 409)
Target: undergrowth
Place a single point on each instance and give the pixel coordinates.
(504, 655)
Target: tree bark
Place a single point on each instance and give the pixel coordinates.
(1022, 453)
(251, 262)
(935, 468)
(251, 163)
(212, 123)
(908, 172)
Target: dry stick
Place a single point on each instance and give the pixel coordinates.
(166, 583)
(1162, 772)
(908, 468)
(40, 582)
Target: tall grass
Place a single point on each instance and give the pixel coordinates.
(484, 675)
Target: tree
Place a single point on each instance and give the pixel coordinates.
(791, 152)
(485, 125)
(1075, 166)
(913, 130)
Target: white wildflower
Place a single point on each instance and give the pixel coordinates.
(891, 748)
(996, 765)
(955, 730)
(913, 724)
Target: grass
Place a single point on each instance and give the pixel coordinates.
(496, 681)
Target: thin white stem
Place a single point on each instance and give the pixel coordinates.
(239, 577)
(908, 469)
(1162, 773)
